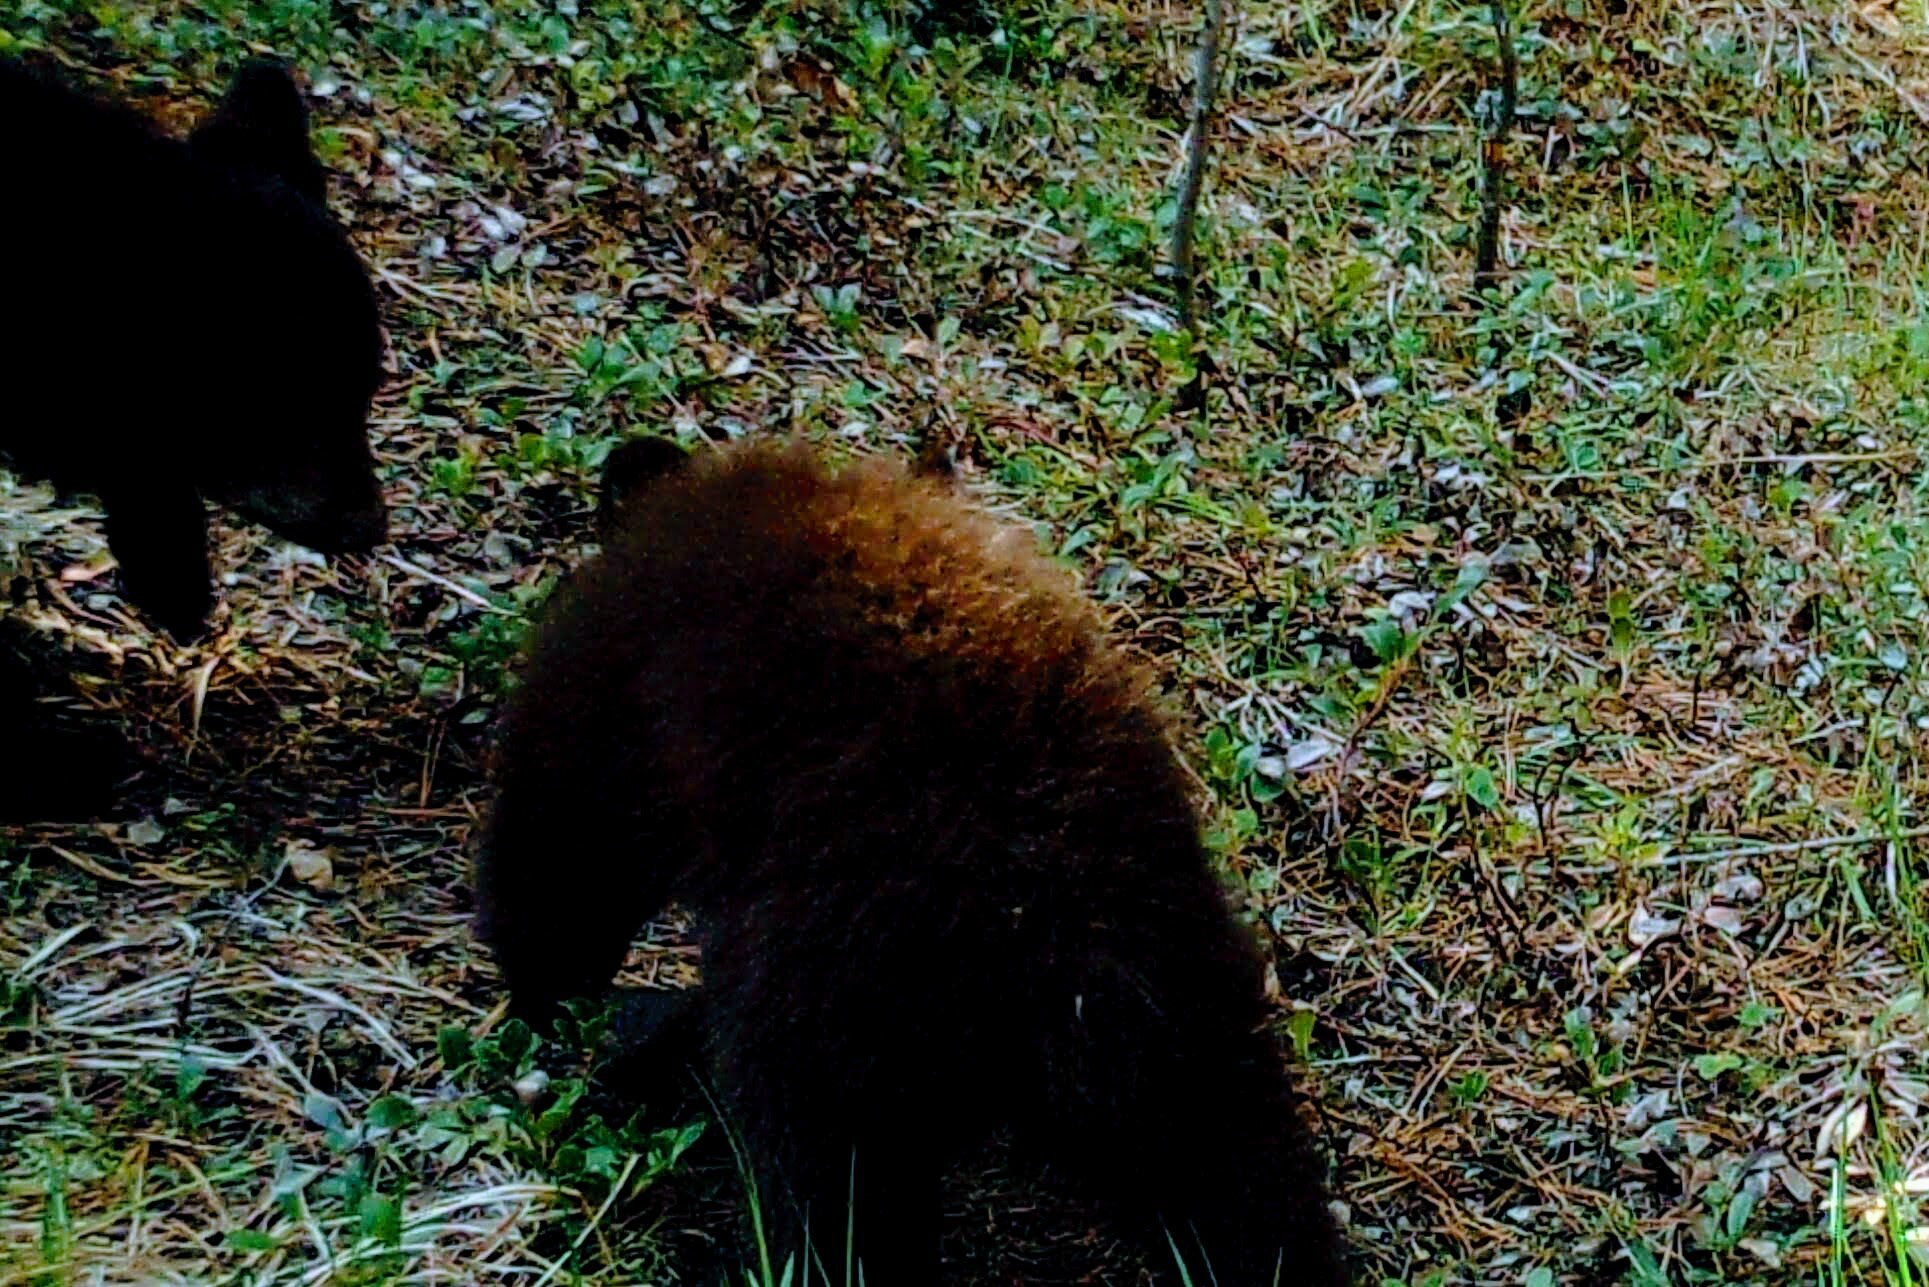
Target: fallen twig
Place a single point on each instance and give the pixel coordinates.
(1185, 219)
(459, 591)
(1797, 846)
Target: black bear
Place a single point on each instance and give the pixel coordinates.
(189, 323)
(939, 851)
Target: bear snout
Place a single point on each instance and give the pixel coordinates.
(364, 530)
(355, 532)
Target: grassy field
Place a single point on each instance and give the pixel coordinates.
(1554, 660)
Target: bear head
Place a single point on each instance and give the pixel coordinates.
(287, 320)
(631, 466)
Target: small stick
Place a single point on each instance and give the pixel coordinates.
(1511, 406)
(1493, 156)
(462, 592)
(1205, 87)
(1797, 846)
(1724, 462)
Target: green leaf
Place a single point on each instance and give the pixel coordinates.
(437, 681)
(324, 1111)
(1579, 1026)
(514, 1040)
(189, 1077)
(1221, 754)
(590, 356)
(549, 1123)
(1299, 1030)
(1621, 634)
(1481, 788)
(1647, 1269)
(1079, 539)
(1738, 1212)
(382, 1219)
(327, 1113)
(392, 1112)
(642, 373)
(1386, 638)
(455, 1045)
(1470, 1088)
(1711, 1067)
(251, 1240)
(1470, 578)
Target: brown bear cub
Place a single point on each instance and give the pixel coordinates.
(940, 854)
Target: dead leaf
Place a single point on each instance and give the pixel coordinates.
(1644, 927)
(1881, 15)
(530, 1087)
(91, 570)
(1726, 919)
(1840, 1129)
(309, 865)
(820, 82)
(1739, 888)
(1799, 1186)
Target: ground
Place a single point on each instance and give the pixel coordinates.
(1551, 660)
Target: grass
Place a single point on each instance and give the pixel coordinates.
(1510, 731)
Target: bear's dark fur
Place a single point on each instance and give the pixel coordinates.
(187, 323)
(62, 764)
(940, 854)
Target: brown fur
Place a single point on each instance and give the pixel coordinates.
(941, 857)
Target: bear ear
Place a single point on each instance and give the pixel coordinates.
(631, 466)
(934, 459)
(262, 124)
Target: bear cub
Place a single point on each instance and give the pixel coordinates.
(939, 852)
(190, 324)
